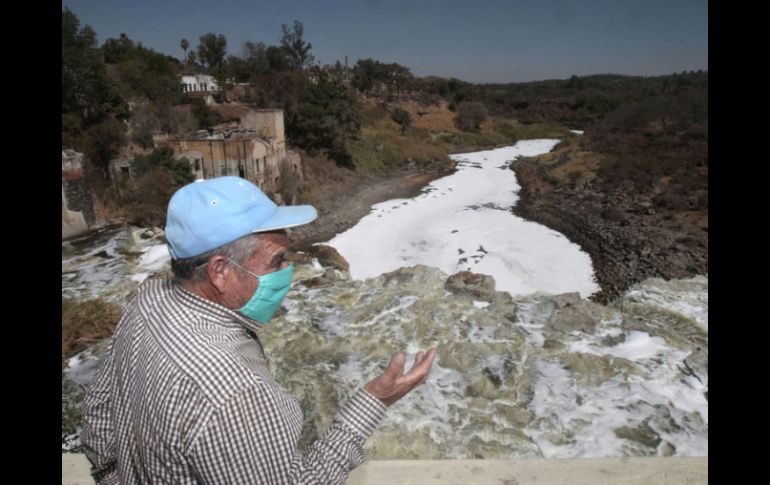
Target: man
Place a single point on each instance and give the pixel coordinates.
(183, 393)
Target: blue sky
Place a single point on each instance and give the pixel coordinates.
(476, 41)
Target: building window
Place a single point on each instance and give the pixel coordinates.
(197, 164)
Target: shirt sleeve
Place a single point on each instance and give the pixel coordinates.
(97, 434)
(253, 439)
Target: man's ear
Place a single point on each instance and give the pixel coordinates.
(218, 270)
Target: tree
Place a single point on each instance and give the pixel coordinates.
(144, 72)
(163, 158)
(277, 59)
(184, 45)
(371, 75)
(86, 90)
(212, 50)
(253, 62)
(102, 142)
(297, 50)
(470, 115)
(365, 74)
(117, 50)
(328, 117)
(206, 118)
(402, 118)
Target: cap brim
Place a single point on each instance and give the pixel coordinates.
(288, 216)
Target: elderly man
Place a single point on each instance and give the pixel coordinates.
(183, 393)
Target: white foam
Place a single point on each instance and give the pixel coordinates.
(464, 222)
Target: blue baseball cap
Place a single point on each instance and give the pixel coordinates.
(205, 215)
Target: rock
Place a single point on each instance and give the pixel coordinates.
(328, 256)
(572, 313)
(642, 434)
(478, 286)
(329, 277)
(666, 449)
(503, 304)
(610, 341)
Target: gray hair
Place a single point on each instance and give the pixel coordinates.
(190, 269)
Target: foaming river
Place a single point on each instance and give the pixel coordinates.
(534, 375)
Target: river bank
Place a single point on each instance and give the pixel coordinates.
(628, 238)
(343, 210)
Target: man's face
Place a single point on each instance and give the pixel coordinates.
(271, 254)
(269, 257)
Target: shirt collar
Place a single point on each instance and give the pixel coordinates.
(213, 309)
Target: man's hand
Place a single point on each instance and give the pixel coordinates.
(393, 384)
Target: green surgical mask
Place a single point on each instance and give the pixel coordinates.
(270, 293)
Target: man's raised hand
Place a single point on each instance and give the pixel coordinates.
(393, 384)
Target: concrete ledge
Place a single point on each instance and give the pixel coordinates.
(580, 471)
(75, 469)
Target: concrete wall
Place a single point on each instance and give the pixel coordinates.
(72, 223)
(268, 123)
(77, 203)
(581, 471)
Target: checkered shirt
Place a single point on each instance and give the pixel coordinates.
(183, 395)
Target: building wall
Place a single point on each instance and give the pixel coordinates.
(253, 159)
(199, 83)
(270, 121)
(269, 125)
(76, 192)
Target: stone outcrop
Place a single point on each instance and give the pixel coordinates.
(328, 256)
(478, 286)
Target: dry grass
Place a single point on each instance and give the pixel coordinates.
(231, 111)
(433, 119)
(570, 163)
(84, 323)
(382, 148)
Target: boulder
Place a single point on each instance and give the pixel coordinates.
(328, 257)
(477, 286)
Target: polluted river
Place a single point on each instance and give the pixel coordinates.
(527, 369)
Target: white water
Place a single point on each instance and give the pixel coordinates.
(463, 222)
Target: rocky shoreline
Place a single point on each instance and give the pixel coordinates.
(627, 237)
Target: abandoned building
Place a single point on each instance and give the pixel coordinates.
(254, 150)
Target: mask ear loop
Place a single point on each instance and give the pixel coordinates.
(244, 269)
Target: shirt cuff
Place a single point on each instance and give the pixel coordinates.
(362, 413)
